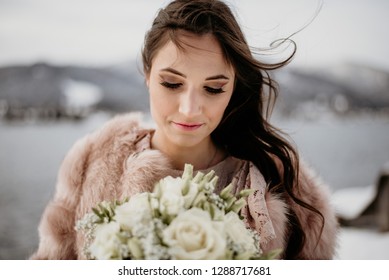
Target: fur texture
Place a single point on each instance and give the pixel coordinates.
(107, 165)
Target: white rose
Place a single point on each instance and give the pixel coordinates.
(105, 245)
(136, 210)
(171, 201)
(239, 234)
(193, 235)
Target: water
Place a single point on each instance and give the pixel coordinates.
(345, 152)
(30, 155)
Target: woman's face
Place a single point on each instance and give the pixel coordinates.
(189, 90)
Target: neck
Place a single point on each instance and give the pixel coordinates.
(202, 156)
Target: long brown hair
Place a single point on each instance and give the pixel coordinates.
(244, 130)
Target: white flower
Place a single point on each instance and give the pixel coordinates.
(135, 248)
(105, 245)
(240, 235)
(193, 235)
(183, 218)
(171, 201)
(136, 210)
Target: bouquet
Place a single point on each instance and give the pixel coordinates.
(181, 219)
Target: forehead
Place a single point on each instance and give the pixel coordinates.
(193, 51)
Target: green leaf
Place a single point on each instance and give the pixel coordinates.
(238, 205)
(199, 200)
(97, 212)
(274, 254)
(230, 201)
(226, 192)
(246, 192)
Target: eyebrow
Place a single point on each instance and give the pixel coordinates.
(174, 71)
(217, 77)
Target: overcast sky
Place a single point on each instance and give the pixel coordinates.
(105, 32)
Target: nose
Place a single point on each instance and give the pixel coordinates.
(190, 103)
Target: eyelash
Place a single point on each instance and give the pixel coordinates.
(210, 90)
(170, 85)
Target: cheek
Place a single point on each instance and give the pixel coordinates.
(159, 104)
(218, 111)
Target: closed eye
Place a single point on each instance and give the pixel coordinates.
(171, 85)
(212, 90)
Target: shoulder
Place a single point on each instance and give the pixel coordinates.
(313, 190)
(311, 186)
(321, 231)
(129, 126)
(123, 128)
(116, 135)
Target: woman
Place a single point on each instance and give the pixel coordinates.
(208, 99)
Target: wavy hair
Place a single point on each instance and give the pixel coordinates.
(244, 131)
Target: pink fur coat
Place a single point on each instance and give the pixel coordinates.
(107, 165)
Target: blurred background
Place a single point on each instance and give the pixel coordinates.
(68, 66)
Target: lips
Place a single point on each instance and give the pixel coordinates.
(187, 126)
